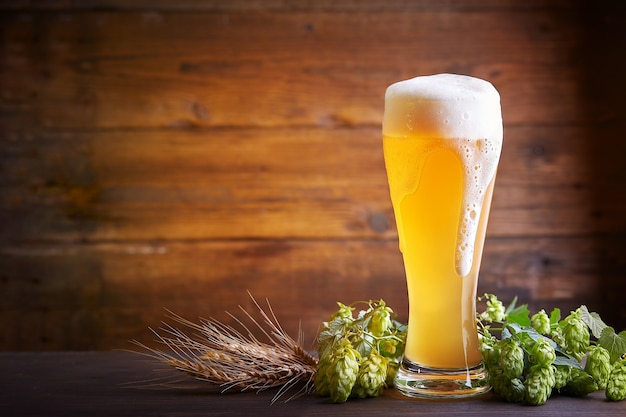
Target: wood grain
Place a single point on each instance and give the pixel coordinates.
(69, 70)
(103, 295)
(276, 183)
(177, 154)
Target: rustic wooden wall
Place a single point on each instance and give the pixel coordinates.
(175, 154)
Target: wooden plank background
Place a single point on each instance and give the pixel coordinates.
(177, 154)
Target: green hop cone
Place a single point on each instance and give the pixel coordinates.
(538, 384)
(542, 352)
(575, 335)
(491, 357)
(490, 351)
(370, 381)
(380, 320)
(616, 385)
(343, 374)
(510, 390)
(495, 310)
(344, 312)
(322, 375)
(540, 322)
(557, 336)
(599, 365)
(511, 358)
(562, 376)
(388, 347)
(579, 384)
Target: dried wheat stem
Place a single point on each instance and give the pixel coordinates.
(223, 356)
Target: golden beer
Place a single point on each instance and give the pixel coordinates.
(442, 137)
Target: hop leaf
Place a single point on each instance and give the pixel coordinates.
(616, 385)
(370, 381)
(332, 331)
(593, 321)
(599, 365)
(539, 384)
(540, 322)
(614, 343)
(519, 315)
(511, 358)
(362, 342)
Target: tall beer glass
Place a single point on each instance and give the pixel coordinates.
(442, 137)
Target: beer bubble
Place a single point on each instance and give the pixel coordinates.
(409, 122)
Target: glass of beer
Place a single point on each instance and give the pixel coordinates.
(442, 137)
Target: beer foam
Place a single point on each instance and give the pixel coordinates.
(443, 106)
(465, 111)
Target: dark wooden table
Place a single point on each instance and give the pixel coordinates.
(91, 384)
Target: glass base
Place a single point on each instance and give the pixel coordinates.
(417, 381)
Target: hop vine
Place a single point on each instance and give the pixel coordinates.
(540, 355)
(529, 358)
(359, 355)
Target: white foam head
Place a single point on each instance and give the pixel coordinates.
(443, 106)
(466, 111)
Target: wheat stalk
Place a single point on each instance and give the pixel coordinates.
(222, 355)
